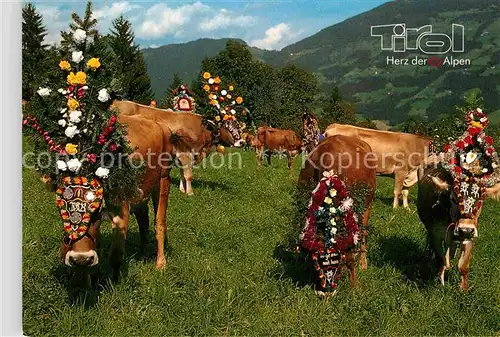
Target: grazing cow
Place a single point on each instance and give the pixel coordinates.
(277, 140)
(447, 226)
(145, 136)
(200, 134)
(339, 153)
(399, 154)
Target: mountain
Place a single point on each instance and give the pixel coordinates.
(347, 56)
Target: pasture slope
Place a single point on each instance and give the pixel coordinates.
(228, 273)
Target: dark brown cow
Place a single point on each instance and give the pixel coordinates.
(398, 154)
(338, 153)
(280, 141)
(146, 137)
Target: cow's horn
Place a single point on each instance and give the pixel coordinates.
(442, 185)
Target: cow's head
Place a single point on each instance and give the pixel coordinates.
(79, 202)
(234, 128)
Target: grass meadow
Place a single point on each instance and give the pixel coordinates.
(229, 272)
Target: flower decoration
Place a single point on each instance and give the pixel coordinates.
(183, 99)
(82, 129)
(64, 65)
(94, 63)
(331, 227)
(472, 160)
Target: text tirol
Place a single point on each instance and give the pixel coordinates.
(433, 61)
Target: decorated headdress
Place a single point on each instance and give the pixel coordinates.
(71, 122)
(331, 227)
(472, 161)
(227, 103)
(183, 99)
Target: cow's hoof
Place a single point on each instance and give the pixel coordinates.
(325, 295)
(190, 193)
(161, 264)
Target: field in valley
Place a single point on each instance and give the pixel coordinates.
(229, 272)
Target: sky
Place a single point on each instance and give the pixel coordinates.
(271, 24)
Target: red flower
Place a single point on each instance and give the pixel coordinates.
(447, 148)
(113, 147)
(81, 92)
(468, 140)
(109, 129)
(92, 157)
(453, 161)
(460, 144)
(112, 120)
(458, 169)
(488, 140)
(490, 150)
(474, 130)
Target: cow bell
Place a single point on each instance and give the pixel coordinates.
(220, 149)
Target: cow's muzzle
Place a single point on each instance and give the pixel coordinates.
(86, 259)
(465, 232)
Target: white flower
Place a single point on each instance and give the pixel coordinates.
(479, 110)
(494, 165)
(85, 87)
(214, 96)
(102, 172)
(333, 210)
(74, 165)
(85, 130)
(333, 223)
(74, 116)
(233, 111)
(355, 238)
(333, 230)
(77, 56)
(71, 131)
(79, 36)
(479, 140)
(471, 156)
(61, 165)
(223, 92)
(62, 122)
(64, 110)
(346, 205)
(103, 95)
(210, 81)
(43, 91)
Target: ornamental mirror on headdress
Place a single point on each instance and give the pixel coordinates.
(183, 99)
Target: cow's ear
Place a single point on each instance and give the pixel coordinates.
(493, 192)
(440, 184)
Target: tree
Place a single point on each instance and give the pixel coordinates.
(415, 125)
(336, 110)
(34, 53)
(88, 24)
(129, 67)
(166, 103)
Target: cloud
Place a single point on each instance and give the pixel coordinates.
(52, 19)
(276, 37)
(115, 10)
(162, 20)
(224, 19)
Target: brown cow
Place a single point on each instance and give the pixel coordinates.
(145, 136)
(336, 153)
(399, 154)
(280, 141)
(192, 127)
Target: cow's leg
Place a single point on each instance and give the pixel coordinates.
(464, 263)
(363, 262)
(399, 178)
(436, 242)
(186, 161)
(351, 265)
(141, 212)
(290, 162)
(259, 155)
(120, 227)
(161, 221)
(268, 154)
(405, 192)
(182, 181)
(188, 175)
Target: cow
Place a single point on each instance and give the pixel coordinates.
(447, 228)
(277, 140)
(200, 134)
(338, 153)
(145, 136)
(398, 154)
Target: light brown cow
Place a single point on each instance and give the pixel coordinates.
(280, 141)
(334, 153)
(398, 154)
(145, 136)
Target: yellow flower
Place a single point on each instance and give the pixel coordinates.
(71, 148)
(64, 65)
(73, 104)
(231, 88)
(226, 117)
(206, 75)
(94, 63)
(217, 118)
(213, 102)
(328, 200)
(239, 100)
(78, 78)
(217, 80)
(206, 87)
(477, 124)
(333, 192)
